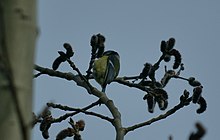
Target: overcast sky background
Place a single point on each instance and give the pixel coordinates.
(134, 29)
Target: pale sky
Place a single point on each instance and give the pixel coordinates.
(134, 29)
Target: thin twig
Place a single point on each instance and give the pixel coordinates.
(38, 74)
(73, 66)
(66, 108)
(92, 60)
(179, 77)
(160, 117)
(64, 117)
(129, 84)
(53, 73)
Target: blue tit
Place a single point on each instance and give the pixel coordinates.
(106, 68)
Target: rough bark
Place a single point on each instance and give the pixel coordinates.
(17, 44)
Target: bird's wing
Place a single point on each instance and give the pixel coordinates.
(110, 72)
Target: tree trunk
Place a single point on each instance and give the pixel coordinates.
(17, 44)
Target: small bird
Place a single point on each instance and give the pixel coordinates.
(106, 68)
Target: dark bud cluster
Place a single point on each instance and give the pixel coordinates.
(163, 46)
(97, 43)
(198, 99)
(185, 97)
(177, 57)
(146, 70)
(197, 91)
(158, 96)
(46, 123)
(167, 58)
(193, 82)
(68, 132)
(161, 97)
(167, 48)
(69, 50)
(170, 44)
(197, 94)
(150, 102)
(80, 125)
(199, 134)
(63, 56)
(203, 105)
(72, 131)
(167, 76)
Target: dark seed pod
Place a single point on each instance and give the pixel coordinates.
(193, 82)
(97, 43)
(162, 104)
(94, 42)
(191, 79)
(101, 46)
(163, 46)
(46, 113)
(101, 40)
(45, 134)
(196, 94)
(196, 83)
(69, 50)
(186, 94)
(100, 51)
(77, 137)
(165, 105)
(63, 55)
(150, 102)
(146, 70)
(167, 76)
(81, 125)
(182, 67)
(178, 58)
(199, 134)
(160, 93)
(170, 44)
(184, 97)
(45, 124)
(68, 132)
(167, 58)
(59, 60)
(203, 105)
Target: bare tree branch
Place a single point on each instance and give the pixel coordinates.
(66, 108)
(92, 90)
(68, 76)
(121, 80)
(145, 81)
(160, 117)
